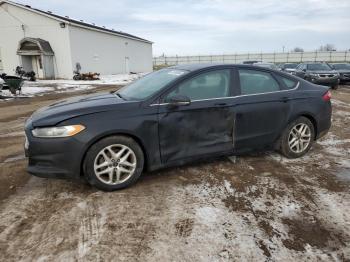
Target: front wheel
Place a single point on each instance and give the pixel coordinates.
(113, 163)
(297, 138)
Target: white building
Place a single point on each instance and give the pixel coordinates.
(51, 45)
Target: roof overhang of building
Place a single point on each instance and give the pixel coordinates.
(34, 46)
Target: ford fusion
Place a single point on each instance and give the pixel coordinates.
(174, 116)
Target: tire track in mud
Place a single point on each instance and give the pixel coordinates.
(90, 229)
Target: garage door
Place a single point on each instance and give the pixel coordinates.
(1, 68)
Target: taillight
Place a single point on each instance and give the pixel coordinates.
(327, 96)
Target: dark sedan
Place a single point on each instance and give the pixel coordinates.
(318, 73)
(174, 116)
(344, 71)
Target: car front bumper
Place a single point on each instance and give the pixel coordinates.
(345, 77)
(53, 157)
(325, 81)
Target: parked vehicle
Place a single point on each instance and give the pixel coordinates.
(175, 116)
(251, 62)
(2, 82)
(288, 67)
(266, 65)
(344, 71)
(318, 73)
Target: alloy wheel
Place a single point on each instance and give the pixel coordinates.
(115, 164)
(299, 138)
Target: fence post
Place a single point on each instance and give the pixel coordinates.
(301, 57)
(211, 58)
(316, 56)
(330, 56)
(274, 57)
(346, 52)
(287, 56)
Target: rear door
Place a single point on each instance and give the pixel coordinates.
(204, 127)
(262, 109)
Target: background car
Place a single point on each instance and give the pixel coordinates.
(250, 62)
(318, 73)
(266, 65)
(289, 67)
(175, 116)
(344, 71)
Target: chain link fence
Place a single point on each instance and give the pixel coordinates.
(292, 57)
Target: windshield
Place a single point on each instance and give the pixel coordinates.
(342, 66)
(149, 84)
(291, 66)
(318, 67)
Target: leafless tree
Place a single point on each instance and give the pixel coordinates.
(298, 49)
(326, 47)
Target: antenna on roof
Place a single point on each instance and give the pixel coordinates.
(81, 20)
(28, 6)
(66, 16)
(103, 26)
(49, 12)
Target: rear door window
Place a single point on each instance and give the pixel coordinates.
(257, 82)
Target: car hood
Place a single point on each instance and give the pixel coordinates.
(82, 105)
(344, 71)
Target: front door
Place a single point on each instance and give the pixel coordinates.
(261, 110)
(205, 126)
(38, 66)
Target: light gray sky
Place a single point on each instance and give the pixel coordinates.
(192, 27)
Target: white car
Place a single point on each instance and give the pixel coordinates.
(2, 82)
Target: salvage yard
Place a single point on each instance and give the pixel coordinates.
(259, 207)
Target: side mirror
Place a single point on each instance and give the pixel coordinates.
(179, 100)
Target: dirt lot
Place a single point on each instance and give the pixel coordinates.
(263, 207)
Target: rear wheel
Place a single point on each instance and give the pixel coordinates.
(297, 138)
(114, 163)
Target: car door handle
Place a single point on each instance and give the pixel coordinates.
(285, 99)
(220, 104)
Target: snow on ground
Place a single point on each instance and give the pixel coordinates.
(41, 87)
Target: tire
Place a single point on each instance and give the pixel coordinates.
(288, 146)
(335, 87)
(106, 176)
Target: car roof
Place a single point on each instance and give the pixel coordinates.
(195, 67)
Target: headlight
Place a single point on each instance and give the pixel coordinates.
(59, 131)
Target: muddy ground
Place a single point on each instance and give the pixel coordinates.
(263, 207)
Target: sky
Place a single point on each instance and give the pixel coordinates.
(204, 27)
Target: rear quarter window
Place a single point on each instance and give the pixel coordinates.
(289, 83)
